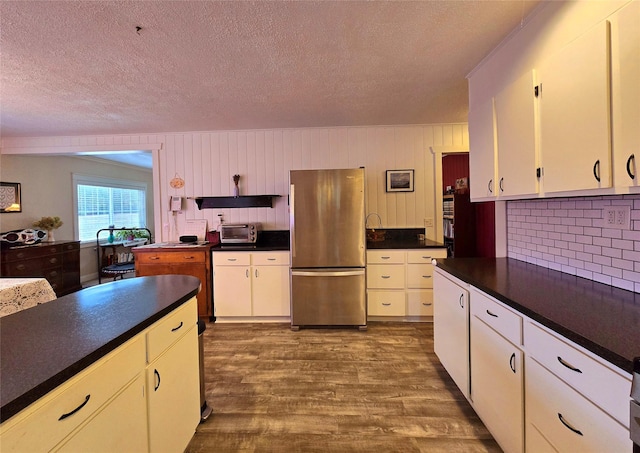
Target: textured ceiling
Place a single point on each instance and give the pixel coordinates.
(80, 67)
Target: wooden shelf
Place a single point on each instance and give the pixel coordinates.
(245, 201)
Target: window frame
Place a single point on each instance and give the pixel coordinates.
(102, 181)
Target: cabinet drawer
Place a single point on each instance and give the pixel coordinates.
(425, 256)
(497, 316)
(270, 258)
(420, 275)
(385, 257)
(170, 328)
(385, 303)
(603, 386)
(171, 257)
(420, 303)
(40, 427)
(232, 259)
(385, 276)
(556, 410)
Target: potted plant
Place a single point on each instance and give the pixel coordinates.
(49, 224)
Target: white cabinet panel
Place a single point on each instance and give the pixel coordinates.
(232, 290)
(497, 384)
(482, 171)
(420, 302)
(575, 136)
(515, 126)
(568, 420)
(381, 276)
(497, 316)
(270, 292)
(385, 303)
(625, 88)
(451, 327)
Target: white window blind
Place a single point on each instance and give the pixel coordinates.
(101, 202)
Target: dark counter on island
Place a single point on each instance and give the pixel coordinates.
(601, 318)
(46, 345)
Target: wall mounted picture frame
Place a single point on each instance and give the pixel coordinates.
(400, 180)
(10, 197)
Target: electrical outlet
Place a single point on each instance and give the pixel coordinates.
(428, 223)
(617, 217)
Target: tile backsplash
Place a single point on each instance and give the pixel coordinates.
(570, 235)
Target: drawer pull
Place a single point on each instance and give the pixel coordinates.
(246, 273)
(386, 304)
(271, 259)
(572, 368)
(154, 258)
(256, 273)
(426, 257)
(69, 414)
(385, 276)
(177, 328)
(512, 362)
(21, 267)
(577, 431)
(232, 259)
(157, 377)
(426, 276)
(189, 257)
(492, 314)
(385, 257)
(427, 304)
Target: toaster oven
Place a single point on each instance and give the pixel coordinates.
(239, 233)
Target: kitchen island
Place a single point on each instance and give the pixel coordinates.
(66, 363)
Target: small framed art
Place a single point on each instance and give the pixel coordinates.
(399, 180)
(10, 199)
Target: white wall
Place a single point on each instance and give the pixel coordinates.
(208, 160)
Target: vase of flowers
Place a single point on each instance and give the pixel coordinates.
(49, 224)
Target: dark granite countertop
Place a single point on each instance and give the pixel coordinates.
(268, 240)
(603, 319)
(402, 238)
(44, 346)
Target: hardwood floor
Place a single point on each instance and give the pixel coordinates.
(332, 390)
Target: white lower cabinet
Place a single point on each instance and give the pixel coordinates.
(111, 406)
(251, 284)
(451, 327)
(566, 419)
(535, 390)
(95, 438)
(497, 377)
(400, 282)
(173, 384)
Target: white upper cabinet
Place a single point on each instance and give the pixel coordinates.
(575, 135)
(515, 125)
(625, 88)
(482, 152)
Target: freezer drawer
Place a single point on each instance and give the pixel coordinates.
(328, 297)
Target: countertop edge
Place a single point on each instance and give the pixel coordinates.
(13, 407)
(624, 363)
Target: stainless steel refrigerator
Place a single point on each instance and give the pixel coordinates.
(328, 246)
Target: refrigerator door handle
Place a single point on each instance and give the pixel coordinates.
(349, 273)
(292, 218)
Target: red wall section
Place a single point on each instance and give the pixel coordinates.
(454, 166)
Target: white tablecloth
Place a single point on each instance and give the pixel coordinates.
(19, 293)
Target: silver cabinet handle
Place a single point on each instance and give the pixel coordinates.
(427, 304)
(385, 276)
(385, 257)
(426, 276)
(386, 304)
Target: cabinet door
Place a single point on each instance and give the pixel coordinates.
(385, 303)
(566, 419)
(482, 152)
(173, 388)
(625, 72)
(232, 290)
(575, 136)
(451, 328)
(270, 291)
(497, 385)
(120, 426)
(515, 118)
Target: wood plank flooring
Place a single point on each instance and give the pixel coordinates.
(332, 390)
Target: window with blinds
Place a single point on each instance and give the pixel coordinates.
(101, 202)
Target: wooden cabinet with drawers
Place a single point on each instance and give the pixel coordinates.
(58, 262)
(188, 260)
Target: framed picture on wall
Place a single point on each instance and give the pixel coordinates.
(10, 199)
(399, 180)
